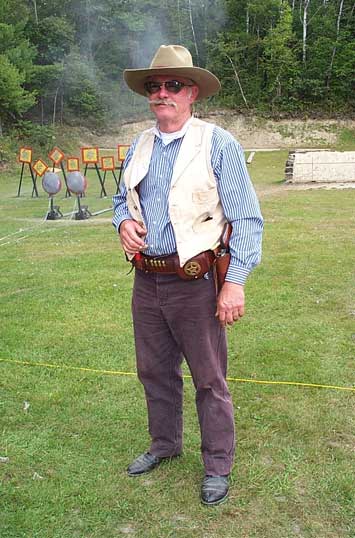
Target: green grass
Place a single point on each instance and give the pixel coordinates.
(65, 300)
(346, 139)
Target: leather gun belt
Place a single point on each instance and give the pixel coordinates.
(194, 268)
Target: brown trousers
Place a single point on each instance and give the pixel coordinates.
(175, 319)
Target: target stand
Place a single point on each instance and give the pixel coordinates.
(108, 165)
(83, 211)
(25, 158)
(54, 212)
(90, 156)
(77, 184)
(57, 157)
(52, 184)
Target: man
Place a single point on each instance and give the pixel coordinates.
(184, 179)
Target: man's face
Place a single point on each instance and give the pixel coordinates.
(169, 106)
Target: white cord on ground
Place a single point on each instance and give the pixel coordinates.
(71, 215)
(24, 230)
(102, 211)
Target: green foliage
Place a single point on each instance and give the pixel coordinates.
(280, 61)
(264, 40)
(344, 71)
(46, 77)
(8, 150)
(264, 15)
(53, 38)
(16, 57)
(82, 86)
(14, 99)
(18, 49)
(39, 136)
(14, 11)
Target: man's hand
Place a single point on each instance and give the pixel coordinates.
(131, 234)
(230, 303)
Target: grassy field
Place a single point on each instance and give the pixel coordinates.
(68, 433)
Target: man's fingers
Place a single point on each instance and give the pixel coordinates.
(240, 311)
(131, 235)
(230, 303)
(129, 243)
(228, 317)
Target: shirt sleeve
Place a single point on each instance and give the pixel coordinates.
(240, 205)
(119, 200)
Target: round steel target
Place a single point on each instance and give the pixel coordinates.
(77, 183)
(51, 183)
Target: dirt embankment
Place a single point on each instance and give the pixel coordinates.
(252, 133)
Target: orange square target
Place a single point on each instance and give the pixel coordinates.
(122, 151)
(25, 155)
(40, 167)
(90, 155)
(107, 163)
(73, 164)
(56, 155)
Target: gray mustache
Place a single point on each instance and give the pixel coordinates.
(162, 102)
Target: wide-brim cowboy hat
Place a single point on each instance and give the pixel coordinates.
(173, 60)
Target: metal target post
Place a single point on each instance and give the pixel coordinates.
(40, 167)
(20, 183)
(108, 165)
(77, 184)
(91, 156)
(25, 157)
(52, 185)
(55, 212)
(34, 188)
(57, 157)
(34, 181)
(83, 211)
(67, 191)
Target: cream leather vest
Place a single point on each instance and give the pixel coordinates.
(195, 210)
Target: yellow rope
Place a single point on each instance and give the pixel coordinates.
(117, 372)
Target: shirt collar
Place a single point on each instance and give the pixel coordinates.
(166, 138)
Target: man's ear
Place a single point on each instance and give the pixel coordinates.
(194, 93)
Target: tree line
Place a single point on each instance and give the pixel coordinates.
(62, 60)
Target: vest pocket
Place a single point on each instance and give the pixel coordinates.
(204, 197)
(203, 225)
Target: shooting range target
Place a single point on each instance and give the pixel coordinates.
(73, 164)
(76, 182)
(90, 155)
(40, 167)
(25, 155)
(122, 151)
(51, 183)
(56, 155)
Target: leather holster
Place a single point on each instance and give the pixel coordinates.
(223, 257)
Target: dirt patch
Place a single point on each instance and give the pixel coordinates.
(255, 133)
(252, 133)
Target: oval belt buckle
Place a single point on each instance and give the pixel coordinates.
(192, 268)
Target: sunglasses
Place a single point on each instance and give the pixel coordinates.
(172, 86)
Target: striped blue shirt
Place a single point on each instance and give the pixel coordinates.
(236, 192)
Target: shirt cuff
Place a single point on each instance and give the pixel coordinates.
(117, 221)
(237, 274)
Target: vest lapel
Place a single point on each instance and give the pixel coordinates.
(190, 147)
(139, 165)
